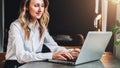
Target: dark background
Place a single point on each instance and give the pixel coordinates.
(71, 16)
(1, 28)
(66, 16)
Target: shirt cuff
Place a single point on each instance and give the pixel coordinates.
(47, 55)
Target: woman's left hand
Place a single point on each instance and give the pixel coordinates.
(75, 52)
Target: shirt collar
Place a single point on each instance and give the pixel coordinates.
(32, 26)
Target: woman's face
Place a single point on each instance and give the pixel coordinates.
(36, 9)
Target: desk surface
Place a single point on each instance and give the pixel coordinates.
(107, 61)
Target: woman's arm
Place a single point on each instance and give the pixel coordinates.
(51, 44)
(16, 47)
(58, 51)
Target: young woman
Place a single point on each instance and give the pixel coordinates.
(29, 32)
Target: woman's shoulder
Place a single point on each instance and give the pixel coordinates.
(15, 23)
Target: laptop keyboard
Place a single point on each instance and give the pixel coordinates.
(72, 62)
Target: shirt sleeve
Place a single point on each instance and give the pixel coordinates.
(17, 45)
(51, 44)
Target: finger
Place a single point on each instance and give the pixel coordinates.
(66, 54)
(76, 50)
(74, 54)
(62, 57)
(69, 56)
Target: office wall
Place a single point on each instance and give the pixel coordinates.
(11, 11)
(76, 16)
(118, 12)
(71, 16)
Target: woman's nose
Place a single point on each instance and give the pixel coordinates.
(39, 8)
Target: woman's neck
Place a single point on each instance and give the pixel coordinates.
(33, 21)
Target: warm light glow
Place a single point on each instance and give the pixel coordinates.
(99, 30)
(98, 22)
(98, 17)
(116, 1)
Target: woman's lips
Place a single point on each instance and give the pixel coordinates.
(38, 13)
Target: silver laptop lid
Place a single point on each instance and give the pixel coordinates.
(94, 46)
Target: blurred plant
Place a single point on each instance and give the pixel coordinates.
(116, 30)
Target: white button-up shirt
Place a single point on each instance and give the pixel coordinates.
(23, 50)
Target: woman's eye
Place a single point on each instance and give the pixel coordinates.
(36, 5)
(42, 5)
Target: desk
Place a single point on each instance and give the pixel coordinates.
(107, 61)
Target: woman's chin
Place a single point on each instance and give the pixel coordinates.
(38, 17)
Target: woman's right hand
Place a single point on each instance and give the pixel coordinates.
(62, 55)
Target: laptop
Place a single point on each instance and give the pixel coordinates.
(93, 48)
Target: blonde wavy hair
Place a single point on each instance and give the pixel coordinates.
(24, 18)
